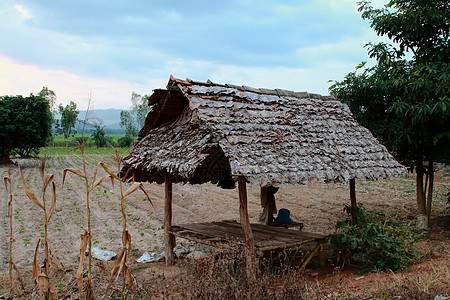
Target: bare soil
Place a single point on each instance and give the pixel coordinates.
(318, 206)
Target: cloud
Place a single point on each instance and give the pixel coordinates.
(25, 13)
(107, 93)
(76, 47)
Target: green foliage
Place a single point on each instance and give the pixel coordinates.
(100, 138)
(69, 116)
(405, 102)
(125, 141)
(48, 95)
(25, 125)
(377, 241)
(127, 123)
(134, 119)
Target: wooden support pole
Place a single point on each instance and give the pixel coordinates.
(353, 198)
(246, 229)
(169, 238)
(353, 192)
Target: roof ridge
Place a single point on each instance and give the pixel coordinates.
(278, 92)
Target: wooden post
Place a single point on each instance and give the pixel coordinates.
(268, 204)
(353, 192)
(353, 197)
(246, 229)
(169, 238)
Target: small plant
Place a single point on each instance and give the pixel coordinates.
(41, 275)
(378, 241)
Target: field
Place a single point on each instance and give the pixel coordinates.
(60, 141)
(318, 206)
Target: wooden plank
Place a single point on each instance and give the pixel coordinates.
(214, 230)
(266, 238)
(282, 231)
(262, 233)
(169, 238)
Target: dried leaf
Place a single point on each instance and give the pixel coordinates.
(127, 236)
(112, 181)
(146, 194)
(133, 188)
(130, 279)
(89, 293)
(97, 182)
(52, 294)
(95, 172)
(43, 283)
(36, 268)
(28, 192)
(52, 208)
(75, 171)
(79, 275)
(119, 263)
(47, 180)
(18, 276)
(7, 180)
(109, 172)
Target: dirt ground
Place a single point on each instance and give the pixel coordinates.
(318, 206)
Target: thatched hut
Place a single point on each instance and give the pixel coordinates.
(206, 132)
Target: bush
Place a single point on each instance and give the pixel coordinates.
(378, 241)
(81, 140)
(125, 141)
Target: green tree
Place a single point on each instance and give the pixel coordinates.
(139, 108)
(50, 96)
(99, 136)
(127, 123)
(69, 116)
(405, 102)
(25, 125)
(134, 119)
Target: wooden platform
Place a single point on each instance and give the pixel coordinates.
(266, 237)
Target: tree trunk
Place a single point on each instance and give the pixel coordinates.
(421, 205)
(430, 189)
(4, 158)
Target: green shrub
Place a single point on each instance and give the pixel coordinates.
(377, 241)
(125, 141)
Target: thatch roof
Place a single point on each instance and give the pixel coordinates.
(206, 132)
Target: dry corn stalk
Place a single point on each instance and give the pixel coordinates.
(86, 237)
(12, 265)
(120, 267)
(41, 274)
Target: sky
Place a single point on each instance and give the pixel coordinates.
(107, 49)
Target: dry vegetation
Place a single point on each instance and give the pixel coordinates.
(318, 206)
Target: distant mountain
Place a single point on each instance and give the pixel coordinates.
(110, 117)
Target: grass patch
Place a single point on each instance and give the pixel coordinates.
(88, 151)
